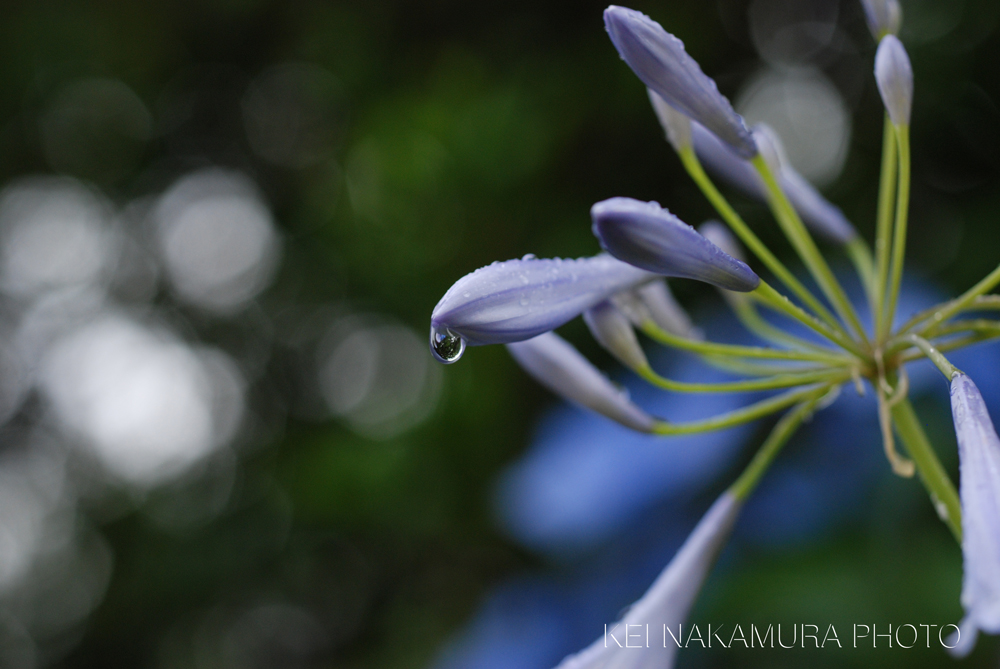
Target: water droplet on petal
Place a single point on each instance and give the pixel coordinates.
(529, 256)
(446, 346)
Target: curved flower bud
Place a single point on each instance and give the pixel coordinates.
(894, 77)
(676, 125)
(884, 17)
(660, 61)
(647, 236)
(613, 330)
(654, 301)
(979, 467)
(668, 600)
(554, 363)
(822, 217)
(520, 299)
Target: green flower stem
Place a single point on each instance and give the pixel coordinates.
(978, 303)
(950, 345)
(757, 247)
(787, 380)
(883, 229)
(780, 434)
(804, 245)
(964, 325)
(899, 232)
(712, 348)
(751, 319)
(960, 303)
(948, 369)
(738, 366)
(747, 413)
(861, 257)
(776, 300)
(935, 479)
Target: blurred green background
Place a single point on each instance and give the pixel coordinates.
(398, 146)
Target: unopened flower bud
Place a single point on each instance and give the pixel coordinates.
(884, 17)
(647, 236)
(660, 61)
(520, 299)
(894, 77)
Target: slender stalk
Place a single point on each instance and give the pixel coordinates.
(747, 236)
(935, 478)
(979, 303)
(804, 245)
(960, 303)
(950, 345)
(861, 257)
(941, 362)
(738, 366)
(712, 348)
(964, 325)
(766, 383)
(751, 319)
(777, 301)
(899, 232)
(745, 414)
(781, 433)
(883, 226)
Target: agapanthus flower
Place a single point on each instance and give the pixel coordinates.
(808, 346)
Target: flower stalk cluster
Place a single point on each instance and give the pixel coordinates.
(622, 293)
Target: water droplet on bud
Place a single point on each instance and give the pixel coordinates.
(446, 346)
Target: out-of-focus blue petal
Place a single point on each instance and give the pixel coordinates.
(585, 479)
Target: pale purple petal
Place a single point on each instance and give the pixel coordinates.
(894, 77)
(554, 363)
(613, 330)
(979, 468)
(883, 17)
(647, 236)
(668, 600)
(660, 61)
(519, 299)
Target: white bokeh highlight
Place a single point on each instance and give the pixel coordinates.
(217, 240)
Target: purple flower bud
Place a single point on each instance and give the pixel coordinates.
(647, 236)
(884, 17)
(668, 600)
(520, 299)
(822, 217)
(554, 363)
(894, 77)
(660, 61)
(613, 330)
(979, 470)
